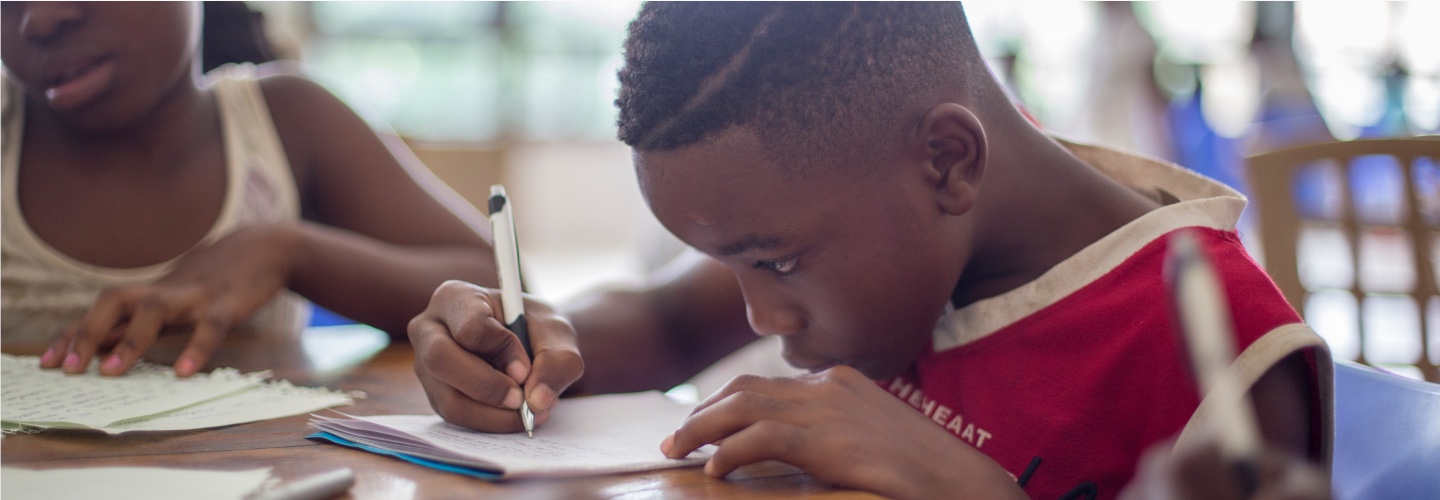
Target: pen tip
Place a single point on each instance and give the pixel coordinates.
(531, 434)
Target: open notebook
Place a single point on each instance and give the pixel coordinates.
(585, 436)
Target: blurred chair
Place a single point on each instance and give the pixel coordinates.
(1272, 178)
(1387, 435)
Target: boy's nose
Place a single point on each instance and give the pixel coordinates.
(774, 319)
(44, 22)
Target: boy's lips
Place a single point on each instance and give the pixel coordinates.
(79, 83)
(808, 364)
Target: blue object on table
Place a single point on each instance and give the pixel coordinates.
(1387, 435)
(482, 474)
(320, 316)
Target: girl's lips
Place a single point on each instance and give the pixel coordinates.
(81, 85)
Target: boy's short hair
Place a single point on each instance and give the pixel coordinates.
(817, 78)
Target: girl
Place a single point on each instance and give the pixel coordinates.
(140, 196)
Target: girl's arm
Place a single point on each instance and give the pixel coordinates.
(386, 231)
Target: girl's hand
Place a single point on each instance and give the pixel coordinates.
(473, 369)
(840, 428)
(211, 290)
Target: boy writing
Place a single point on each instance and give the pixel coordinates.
(982, 306)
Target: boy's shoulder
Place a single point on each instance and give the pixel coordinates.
(1126, 258)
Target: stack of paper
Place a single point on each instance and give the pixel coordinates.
(148, 398)
(585, 436)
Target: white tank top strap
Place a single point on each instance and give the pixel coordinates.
(262, 186)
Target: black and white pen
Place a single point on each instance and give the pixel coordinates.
(507, 264)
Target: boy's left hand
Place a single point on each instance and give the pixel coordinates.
(841, 428)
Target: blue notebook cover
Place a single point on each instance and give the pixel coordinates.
(478, 473)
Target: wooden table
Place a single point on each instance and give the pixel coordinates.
(388, 380)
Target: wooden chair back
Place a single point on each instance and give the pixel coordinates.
(1272, 178)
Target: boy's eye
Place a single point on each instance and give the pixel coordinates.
(781, 267)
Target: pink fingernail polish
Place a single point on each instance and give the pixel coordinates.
(48, 357)
(72, 361)
(112, 364)
(185, 366)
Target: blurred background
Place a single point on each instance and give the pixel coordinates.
(521, 93)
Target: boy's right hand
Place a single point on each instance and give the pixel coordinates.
(473, 368)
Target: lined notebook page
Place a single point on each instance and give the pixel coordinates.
(585, 436)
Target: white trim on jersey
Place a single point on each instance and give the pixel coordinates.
(1197, 201)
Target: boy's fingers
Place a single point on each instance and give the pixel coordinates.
(459, 409)
(437, 355)
(144, 326)
(486, 337)
(555, 370)
(557, 357)
(774, 386)
(724, 418)
(768, 440)
(471, 315)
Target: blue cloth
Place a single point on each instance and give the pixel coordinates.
(478, 473)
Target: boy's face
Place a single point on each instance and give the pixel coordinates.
(847, 267)
(98, 66)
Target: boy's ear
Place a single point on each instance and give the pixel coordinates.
(954, 146)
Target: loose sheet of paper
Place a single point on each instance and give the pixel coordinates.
(52, 398)
(129, 483)
(262, 402)
(585, 436)
(149, 398)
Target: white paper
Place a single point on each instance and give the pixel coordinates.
(262, 402)
(52, 398)
(148, 398)
(129, 483)
(585, 436)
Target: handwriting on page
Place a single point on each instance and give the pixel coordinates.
(148, 398)
(594, 435)
(32, 395)
(519, 448)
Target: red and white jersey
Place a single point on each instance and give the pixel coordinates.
(1083, 368)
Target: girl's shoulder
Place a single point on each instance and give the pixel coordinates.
(278, 97)
(314, 126)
